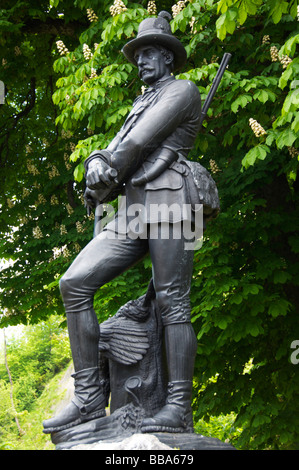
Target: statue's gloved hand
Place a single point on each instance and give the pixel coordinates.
(99, 174)
(162, 158)
(140, 180)
(89, 198)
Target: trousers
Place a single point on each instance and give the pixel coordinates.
(105, 257)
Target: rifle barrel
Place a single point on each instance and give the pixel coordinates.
(225, 60)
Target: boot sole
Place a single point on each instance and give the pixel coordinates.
(145, 429)
(98, 414)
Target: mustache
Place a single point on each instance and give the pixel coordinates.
(144, 69)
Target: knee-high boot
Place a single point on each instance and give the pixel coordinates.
(91, 387)
(176, 415)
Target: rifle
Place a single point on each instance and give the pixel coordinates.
(225, 60)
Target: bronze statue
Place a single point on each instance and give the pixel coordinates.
(147, 162)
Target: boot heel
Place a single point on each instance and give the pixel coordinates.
(176, 415)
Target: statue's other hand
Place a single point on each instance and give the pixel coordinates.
(139, 181)
(98, 175)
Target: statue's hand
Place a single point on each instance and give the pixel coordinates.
(89, 199)
(139, 181)
(99, 174)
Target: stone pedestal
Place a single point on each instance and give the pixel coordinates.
(157, 442)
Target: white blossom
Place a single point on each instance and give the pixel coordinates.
(293, 152)
(77, 247)
(214, 167)
(62, 49)
(37, 233)
(63, 230)
(93, 73)
(117, 7)
(91, 15)
(274, 53)
(65, 252)
(40, 199)
(257, 128)
(152, 8)
(53, 172)
(67, 161)
(32, 168)
(69, 209)
(285, 61)
(178, 7)
(87, 52)
(79, 227)
(266, 39)
(54, 200)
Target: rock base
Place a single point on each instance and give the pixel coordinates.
(158, 442)
(121, 431)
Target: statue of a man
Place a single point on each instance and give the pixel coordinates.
(147, 160)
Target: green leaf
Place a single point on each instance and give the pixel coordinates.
(279, 307)
(54, 3)
(281, 277)
(256, 153)
(56, 96)
(251, 289)
(79, 172)
(226, 23)
(241, 101)
(253, 330)
(286, 138)
(260, 420)
(277, 10)
(222, 324)
(287, 74)
(242, 14)
(222, 6)
(289, 48)
(294, 243)
(295, 124)
(236, 299)
(252, 6)
(291, 102)
(220, 27)
(128, 30)
(271, 137)
(261, 95)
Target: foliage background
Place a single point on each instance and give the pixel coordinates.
(36, 355)
(60, 105)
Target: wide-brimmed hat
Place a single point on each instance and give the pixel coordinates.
(157, 31)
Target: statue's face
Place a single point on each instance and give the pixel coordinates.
(152, 64)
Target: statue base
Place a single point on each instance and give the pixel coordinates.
(109, 431)
(158, 441)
